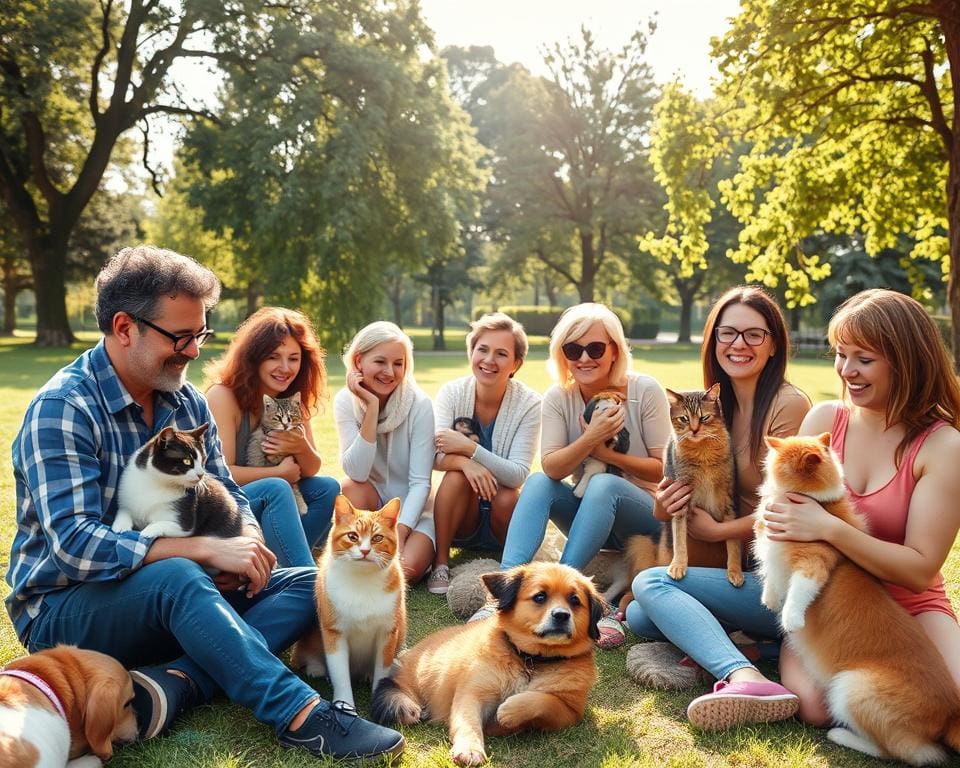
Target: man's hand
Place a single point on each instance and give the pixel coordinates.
(245, 557)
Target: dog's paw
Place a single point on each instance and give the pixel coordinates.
(770, 598)
(735, 578)
(676, 571)
(510, 714)
(468, 753)
(792, 618)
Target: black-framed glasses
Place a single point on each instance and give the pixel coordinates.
(753, 336)
(573, 351)
(180, 343)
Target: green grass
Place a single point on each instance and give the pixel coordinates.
(625, 725)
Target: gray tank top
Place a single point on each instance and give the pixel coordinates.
(243, 437)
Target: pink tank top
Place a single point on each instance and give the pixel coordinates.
(886, 511)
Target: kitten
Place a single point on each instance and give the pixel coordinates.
(699, 454)
(279, 415)
(884, 679)
(470, 427)
(164, 490)
(361, 606)
(619, 442)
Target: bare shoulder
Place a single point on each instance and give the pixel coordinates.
(941, 450)
(222, 400)
(820, 418)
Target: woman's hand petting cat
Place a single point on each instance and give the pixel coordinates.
(450, 441)
(671, 499)
(604, 425)
(481, 479)
(285, 442)
(355, 385)
(246, 557)
(288, 469)
(795, 517)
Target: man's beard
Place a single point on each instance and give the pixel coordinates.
(168, 379)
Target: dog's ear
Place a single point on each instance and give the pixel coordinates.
(101, 713)
(504, 586)
(596, 613)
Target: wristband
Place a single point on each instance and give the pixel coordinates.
(474, 454)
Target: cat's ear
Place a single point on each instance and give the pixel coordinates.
(200, 431)
(391, 511)
(773, 442)
(267, 401)
(714, 392)
(295, 399)
(824, 438)
(672, 396)
(343, 511)
(165, 435)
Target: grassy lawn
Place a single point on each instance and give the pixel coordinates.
(625, 725)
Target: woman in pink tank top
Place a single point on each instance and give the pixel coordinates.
(896, 433)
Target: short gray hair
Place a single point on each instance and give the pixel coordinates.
(373, 335)
(134, 279)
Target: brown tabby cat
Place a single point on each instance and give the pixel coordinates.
(360, 600)
(279, 415)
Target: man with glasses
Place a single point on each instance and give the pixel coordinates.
(144, 600)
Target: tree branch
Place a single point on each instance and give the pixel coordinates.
(98, 60)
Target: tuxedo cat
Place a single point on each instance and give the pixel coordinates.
(164, 490)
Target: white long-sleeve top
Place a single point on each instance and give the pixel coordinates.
(399, 463)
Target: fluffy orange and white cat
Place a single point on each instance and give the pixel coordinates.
(885, 682)
(361, 606)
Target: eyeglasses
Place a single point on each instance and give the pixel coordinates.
(753, 336)
(180, 343)
(573, 351)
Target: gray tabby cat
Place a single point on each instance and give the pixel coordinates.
(280, 414)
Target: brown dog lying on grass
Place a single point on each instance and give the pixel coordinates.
(528, 667)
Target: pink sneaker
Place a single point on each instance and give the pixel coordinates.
(746, 702)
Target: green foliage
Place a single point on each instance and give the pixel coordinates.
(539, 321)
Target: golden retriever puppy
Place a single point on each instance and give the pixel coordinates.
(530, 666)
(60, 703)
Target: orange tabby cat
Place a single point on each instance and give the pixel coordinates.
(885, 681)
(360, 600)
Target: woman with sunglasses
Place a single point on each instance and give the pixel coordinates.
(745, 349)
(588, 355)
(275, 352)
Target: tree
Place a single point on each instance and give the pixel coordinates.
(852, 112)
(338, 158)
(569, 157)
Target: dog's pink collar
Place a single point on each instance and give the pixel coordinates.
(37, 682)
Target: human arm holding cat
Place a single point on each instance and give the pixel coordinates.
(560, 456)
(933, 517)
(297, 443)
(455, 451)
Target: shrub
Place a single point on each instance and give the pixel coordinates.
(539, 321)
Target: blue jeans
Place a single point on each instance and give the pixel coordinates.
(171, 609)
(611, 511)
(696, 612)
(289, 535)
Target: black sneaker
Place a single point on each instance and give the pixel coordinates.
(159, 697)
(338, 731)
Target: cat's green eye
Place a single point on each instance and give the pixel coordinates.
(376, 539)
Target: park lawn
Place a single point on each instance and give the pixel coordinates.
(625, 725)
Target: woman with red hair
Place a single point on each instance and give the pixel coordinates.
(275, 353)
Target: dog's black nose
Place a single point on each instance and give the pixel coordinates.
(560, 615)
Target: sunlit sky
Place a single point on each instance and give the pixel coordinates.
(519, 29)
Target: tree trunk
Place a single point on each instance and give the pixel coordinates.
(588, 267)
(686, 318)
(950, 24)
(395, 293)
(11, 288)
(438, 320)
(254, 294)
(550, 289)
(48, 263)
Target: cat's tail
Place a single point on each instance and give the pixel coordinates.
(391, 704)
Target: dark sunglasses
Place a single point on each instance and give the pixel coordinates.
(180, 343)
(573, 351)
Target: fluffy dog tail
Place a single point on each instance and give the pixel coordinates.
(391, 704)
(952, 734)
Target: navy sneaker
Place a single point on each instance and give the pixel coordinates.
(159, 697)
(338, 731)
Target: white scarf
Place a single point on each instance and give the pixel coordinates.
(394, 412)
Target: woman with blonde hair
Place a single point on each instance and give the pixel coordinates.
(896, 434)
(385, 427)
(275, 353)
(483, 472)
(589, 354)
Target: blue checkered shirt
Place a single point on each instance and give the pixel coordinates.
(77, 435)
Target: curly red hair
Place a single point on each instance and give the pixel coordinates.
(256, 337)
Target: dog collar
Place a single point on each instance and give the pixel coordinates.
(529, 659)
(37, 682)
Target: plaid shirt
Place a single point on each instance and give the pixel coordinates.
(77, 435)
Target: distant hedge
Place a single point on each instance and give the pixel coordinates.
(539, 321)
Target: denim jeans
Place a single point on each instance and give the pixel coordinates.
(171, 609)
(611, 511)
(289, 534)
(696, 613)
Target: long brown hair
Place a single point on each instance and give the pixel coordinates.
(257, 337)
(923, 386)
(773, 373)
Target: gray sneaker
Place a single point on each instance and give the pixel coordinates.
(338, 731)
(439, 581)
